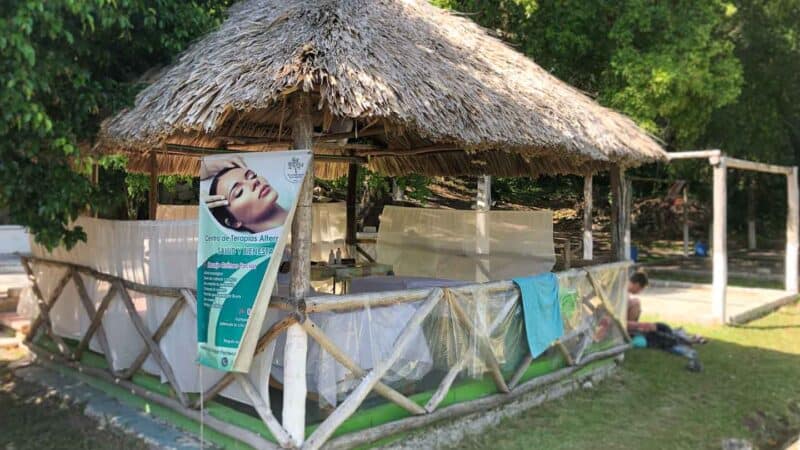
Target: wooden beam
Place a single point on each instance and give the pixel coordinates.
(792, 231)
(734, 163)
(162, 329)
(351, 302)
(412, 152)
(694, 154)
(189, 150)
(720, 237)
(274, 331)
(294, 359)
(588, 243)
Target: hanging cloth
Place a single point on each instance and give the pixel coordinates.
(542, 311)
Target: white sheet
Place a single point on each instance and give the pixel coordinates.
(466, 245)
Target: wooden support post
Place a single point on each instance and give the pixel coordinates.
(263, 410)
(350, 233)
(153, 197)
(620, 233)
(792, 230)
(588, 244)
(567, 254)
(483, 200)
(720, 248)
(751, 213)
(625, 216)
(686, 221)
(483, 204)
(397, 193)
(294, 404)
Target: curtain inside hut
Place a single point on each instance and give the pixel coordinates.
(466, 245)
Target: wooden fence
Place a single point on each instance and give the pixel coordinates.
(370, 380)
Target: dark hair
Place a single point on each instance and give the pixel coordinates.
(222, 213)
(639, 278)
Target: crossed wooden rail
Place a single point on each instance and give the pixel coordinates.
(370, 380)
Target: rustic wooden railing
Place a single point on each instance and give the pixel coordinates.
(370, 380)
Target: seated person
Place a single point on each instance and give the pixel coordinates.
(659, 335)
(636, 284)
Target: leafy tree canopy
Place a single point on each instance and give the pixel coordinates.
(65, 65)
(764, 122)
(669, 65)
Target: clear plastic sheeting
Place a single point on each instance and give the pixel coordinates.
(469, 321)
(466, 245)
(475, 328)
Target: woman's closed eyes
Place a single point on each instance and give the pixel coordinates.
(237, 189)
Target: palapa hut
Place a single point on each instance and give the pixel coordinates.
(402, 87)
(432, 92)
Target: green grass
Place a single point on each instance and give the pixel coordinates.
(747, 390)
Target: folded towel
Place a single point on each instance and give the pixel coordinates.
(541, 310)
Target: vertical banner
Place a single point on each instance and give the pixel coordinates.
(247, 205)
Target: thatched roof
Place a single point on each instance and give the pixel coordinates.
(435, 92)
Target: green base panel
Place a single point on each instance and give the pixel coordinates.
(361, 420)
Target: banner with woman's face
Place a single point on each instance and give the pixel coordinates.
(247, 205)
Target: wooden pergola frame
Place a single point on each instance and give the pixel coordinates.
(721, 163)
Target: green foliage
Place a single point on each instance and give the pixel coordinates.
(764, 123)
(669, 65)
(65, 65)
(415, 186)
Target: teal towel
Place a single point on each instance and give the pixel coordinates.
(541, 310)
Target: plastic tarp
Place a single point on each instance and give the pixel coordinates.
(164, 253)
(466, 245)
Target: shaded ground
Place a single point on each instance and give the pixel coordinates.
(747, 390)
(33, 418)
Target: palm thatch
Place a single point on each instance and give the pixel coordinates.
(421, 89)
